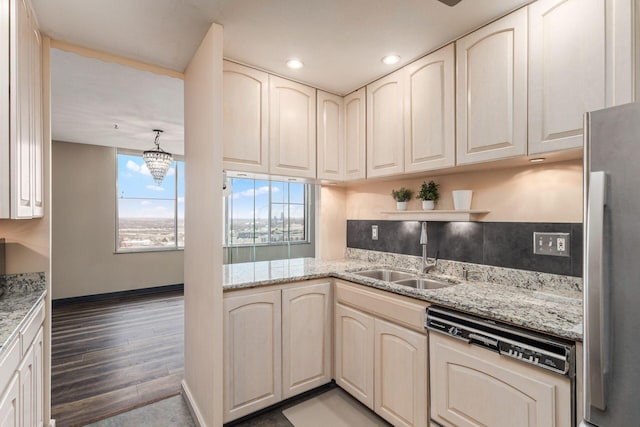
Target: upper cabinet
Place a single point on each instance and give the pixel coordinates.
(567, 75)
(429, 119)
(385, 126)
(292, 128)
(21, 131)
(491, 87)
(330, 141)
(355, 157)
(246, 119)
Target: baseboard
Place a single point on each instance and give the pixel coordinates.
(115, 295)
(193, 408)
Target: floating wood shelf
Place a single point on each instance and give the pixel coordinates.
(435, 215)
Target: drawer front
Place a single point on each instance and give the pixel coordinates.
(396, 308)
(9, 363)
(30, 330)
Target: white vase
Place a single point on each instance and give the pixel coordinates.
(428, 205)
(401, 206)
(462, 200)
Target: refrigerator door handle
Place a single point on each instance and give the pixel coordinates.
(595, 313)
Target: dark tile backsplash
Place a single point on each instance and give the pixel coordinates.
(503, 244)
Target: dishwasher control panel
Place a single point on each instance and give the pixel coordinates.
(535, 349)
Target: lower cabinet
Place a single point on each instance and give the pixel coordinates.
(277, 344)
(471, 386)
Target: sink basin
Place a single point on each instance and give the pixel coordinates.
(423, 283)
(386, 275)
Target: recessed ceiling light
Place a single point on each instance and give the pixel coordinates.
(294, 63)
(390, 59)
(537, 160)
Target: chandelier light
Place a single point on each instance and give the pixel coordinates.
(157, 160)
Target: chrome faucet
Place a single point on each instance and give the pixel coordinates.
(426, 265)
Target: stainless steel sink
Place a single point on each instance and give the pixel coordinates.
(385, 274)
(424, 283)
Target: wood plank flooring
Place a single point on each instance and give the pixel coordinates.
(112, 356)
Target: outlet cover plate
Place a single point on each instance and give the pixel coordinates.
(554, 244)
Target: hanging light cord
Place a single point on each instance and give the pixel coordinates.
(155, 141)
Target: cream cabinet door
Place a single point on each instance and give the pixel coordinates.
(471, 386)
(38, 379)
(355, 164)
(429, 125)
(306, 338)
(245, 133)
(400, 375)
(27, 371)
(330, 141)
(252, 353)
(354, 338)
(567, 74)
(10, 404)
(385, 126)
(292, 128)
(491, 88)
(37, 167)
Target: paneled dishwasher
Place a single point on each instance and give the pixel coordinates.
(485, 373)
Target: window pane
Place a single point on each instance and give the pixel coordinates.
(146, 223)
(135, 181)
(180, 201)
(296, 193)
(296, 222)
(279, 192)
(279, 223)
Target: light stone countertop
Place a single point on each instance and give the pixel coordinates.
(541, 311)
(22, 293)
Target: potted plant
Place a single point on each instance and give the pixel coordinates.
(429, 195)
(402, 196)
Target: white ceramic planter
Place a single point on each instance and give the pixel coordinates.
(428, 205)
(401, 206)
(462, 200)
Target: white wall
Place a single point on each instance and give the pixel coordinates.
(84, 261)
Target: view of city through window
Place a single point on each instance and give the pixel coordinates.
(150, 216)
(261, 212)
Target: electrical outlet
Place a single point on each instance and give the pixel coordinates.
(374, 232)
(556, 244)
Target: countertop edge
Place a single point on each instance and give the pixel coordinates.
(16, 331)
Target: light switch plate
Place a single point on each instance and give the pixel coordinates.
(555, 244)
(374, 232)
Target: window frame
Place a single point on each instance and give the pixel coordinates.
(117, 250)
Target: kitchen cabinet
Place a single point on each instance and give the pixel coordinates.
(330, 140)
(355, 106)
(567, 75)
(292, 128)
(491, 88)
(400, 373)
(306, 338)
(354, 340)
(385, 126)
(21, 145)
(246, 119)
(10, 404)
(252, 352)
(429, 120)
(474, 387)
(27, 390)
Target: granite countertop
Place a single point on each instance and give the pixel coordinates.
(558, 315)
(22, 292)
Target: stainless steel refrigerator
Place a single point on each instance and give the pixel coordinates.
(612, 267)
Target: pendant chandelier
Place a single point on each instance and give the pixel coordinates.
(157, 160)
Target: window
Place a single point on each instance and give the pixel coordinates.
(149, 216)
(260, 212)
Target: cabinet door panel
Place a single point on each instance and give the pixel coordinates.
(292, 128)
(306, 338)
(566, 70)
(37, 166)
(430, 112)
(10, 404)
(385, 126)
(355, 135)
(513, 394)
(354, 335)
(27, 391)
(245, 117)
(491, 85)
(400, 375)
(38, 379)
(330, 136)
(252, 349)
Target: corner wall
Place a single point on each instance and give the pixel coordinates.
(83, 227)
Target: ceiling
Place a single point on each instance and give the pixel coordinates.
(341, 43)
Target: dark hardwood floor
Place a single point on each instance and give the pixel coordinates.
(111, 356)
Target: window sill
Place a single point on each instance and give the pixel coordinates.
(139, 251)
